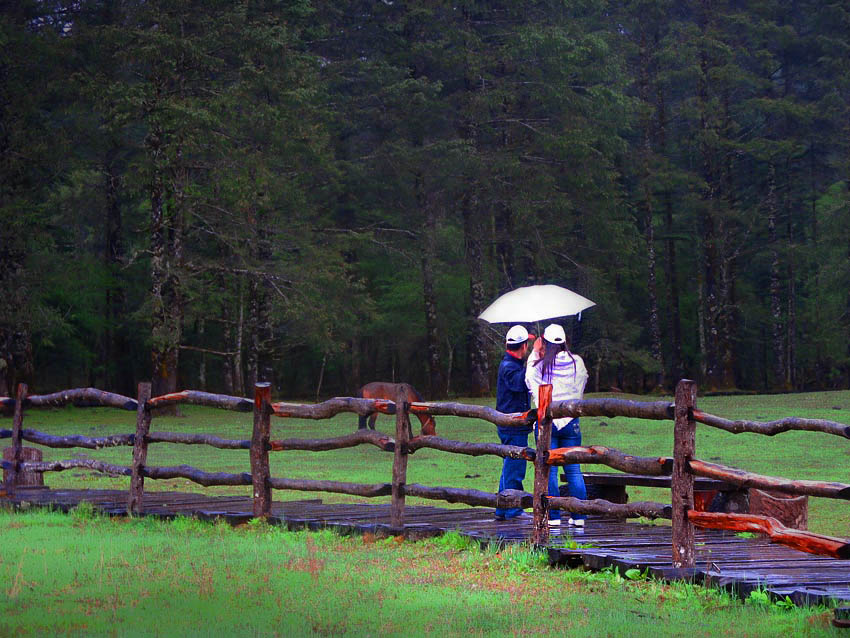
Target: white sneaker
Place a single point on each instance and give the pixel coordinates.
(577, 522)
(555, 522)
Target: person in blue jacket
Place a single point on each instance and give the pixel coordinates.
(512, 396)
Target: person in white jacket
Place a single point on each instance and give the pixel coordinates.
(554, 363)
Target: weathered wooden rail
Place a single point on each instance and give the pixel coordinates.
(682, 467)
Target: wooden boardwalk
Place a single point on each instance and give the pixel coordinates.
(723, 559)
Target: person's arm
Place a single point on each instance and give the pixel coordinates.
(581, 374)
(514, 379)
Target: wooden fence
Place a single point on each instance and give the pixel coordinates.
(682, 466)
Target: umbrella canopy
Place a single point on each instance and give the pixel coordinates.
(535, 303)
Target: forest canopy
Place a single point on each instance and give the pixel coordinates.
(322, 194)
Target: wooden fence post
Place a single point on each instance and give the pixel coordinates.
(682, 484)
(540, 524)
(402, 432)
(17, 446)
(260, 450)
(140, 450)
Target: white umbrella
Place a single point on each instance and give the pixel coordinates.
(535, 303)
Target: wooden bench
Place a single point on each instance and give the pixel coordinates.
(710, 495)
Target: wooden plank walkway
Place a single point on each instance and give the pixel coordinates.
(723, 559)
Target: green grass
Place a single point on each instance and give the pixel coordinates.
(86, 575)
(801, 455)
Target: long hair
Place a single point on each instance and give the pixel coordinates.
(547, 361)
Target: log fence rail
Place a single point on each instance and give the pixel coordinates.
(683, 467)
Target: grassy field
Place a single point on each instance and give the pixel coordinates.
(84, 575)
(802, 455)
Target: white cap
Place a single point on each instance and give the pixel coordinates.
(554, 333)
(516, 334)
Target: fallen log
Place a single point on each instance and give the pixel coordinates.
(77, 440)
(207, 479)
(506, 499)
(771, 428)
(601, 507)
(199, 439)
(337, 487)
(598, 454)
(61, 466)
(81, 397)
(776, 531)
(654, 410)
(483, 412)
(196, 397)
(332, 407)
(379, 439)
(471, 449)
(779, 484)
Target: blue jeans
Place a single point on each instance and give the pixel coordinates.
(567, 436)
(513, 471)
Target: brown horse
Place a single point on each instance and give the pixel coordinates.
(386, 390)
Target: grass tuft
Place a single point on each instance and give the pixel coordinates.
(85, 512)
(454, 540)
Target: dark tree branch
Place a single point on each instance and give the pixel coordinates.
(332, 407)
(379, 439)
(787, 486)
(198, 439)
(649, 466)
(355, 489)
(518, 419)
(607, 508)
(195, 397)
(76, 440)
(776, 531)
(471, 449)
(770, 428)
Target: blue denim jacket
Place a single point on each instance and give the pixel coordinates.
(511, 392)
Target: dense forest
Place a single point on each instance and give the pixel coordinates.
(321, 194)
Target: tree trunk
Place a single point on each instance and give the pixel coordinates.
(238, 373)
(646, 206)
(227, 371)
(202, 367)
(114, 345)
(504, 223)
(355, 379)
(727, 323)
(251, 357)
(260, 353)
(166, 238)
(674, 321)
(709, 271)
(778, 330)
(847, 265)
(710, 312)
(727, 257)
(791, 323)
(479, 374)
(436, 381)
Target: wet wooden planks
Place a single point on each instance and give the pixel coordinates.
(723, 559)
